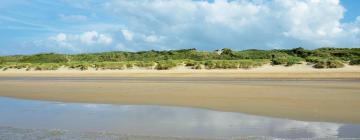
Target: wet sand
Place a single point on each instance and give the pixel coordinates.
(330, 97)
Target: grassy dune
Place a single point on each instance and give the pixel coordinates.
(165, 60)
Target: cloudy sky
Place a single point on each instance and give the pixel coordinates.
(78, 26)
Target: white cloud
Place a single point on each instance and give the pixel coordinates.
(93, 37)
(103, 39)
(88, 38)
(128, 35)
(61, 37)
(152, 39)
(238, 24)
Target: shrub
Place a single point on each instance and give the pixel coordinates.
(45, 58)
(227, 64)
(210, 64)
(328, 64)
(355, 61)
(287, 61)
(129, 65)
(45, 67)
(279, 61)
(165, 65)
(110, 65)
(17, 65)
(293, 60)
(190, 63)
(144, 64)
(79, 66)
(197, 66)
(312, 59)
(246, 64)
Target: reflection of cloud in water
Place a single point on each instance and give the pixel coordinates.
(157, 120)
(308, 129)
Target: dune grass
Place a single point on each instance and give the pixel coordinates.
(192, 58)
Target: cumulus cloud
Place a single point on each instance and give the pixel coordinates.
(152, 39)
(61, 37)
(94, 37)
(128, 35)
(86, 38)
(238, 24)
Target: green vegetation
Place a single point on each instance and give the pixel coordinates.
(192, 58)
(355, 61)
(287, 61)
(167, 64)
(328, 63)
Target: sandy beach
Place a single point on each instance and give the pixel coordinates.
(299, 71)
(330, 95)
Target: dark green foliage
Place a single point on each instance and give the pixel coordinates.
(110, 65)
(287, 60)
(279, 61)
(79, 66)
(197, 66)
(165, 65)
(233, 64)
(313, 59)
(45, 58)
(355, 61)
(328, 63)
(293, 60)
(144, 64)
(47, 66)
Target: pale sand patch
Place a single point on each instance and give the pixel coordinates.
(266, 71)
(324, 100)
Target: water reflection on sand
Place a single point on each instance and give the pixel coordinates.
(160, 121)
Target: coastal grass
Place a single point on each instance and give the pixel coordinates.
(192, 58)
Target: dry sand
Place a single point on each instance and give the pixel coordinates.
(295, 92)
(301, 71)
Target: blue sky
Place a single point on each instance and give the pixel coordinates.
(79, 26)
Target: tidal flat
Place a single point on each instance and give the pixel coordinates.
(325, 100)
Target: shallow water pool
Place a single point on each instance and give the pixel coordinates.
(160, 121)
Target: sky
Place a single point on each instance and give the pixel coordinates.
(83, 26)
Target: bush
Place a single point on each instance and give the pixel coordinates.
(129, 65)
(197, 67)
(79, 66)
(19, 66)
(312, 59)
(190, 63)
(233, 64)
(144, 64)
(293, 60)
(210, 64)
(355, 61)
(279, 61)
(45, 67)
(287, 61)
(328, 64)
(110, 65)
(165, 65)
(45, 58)
(246, 64)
